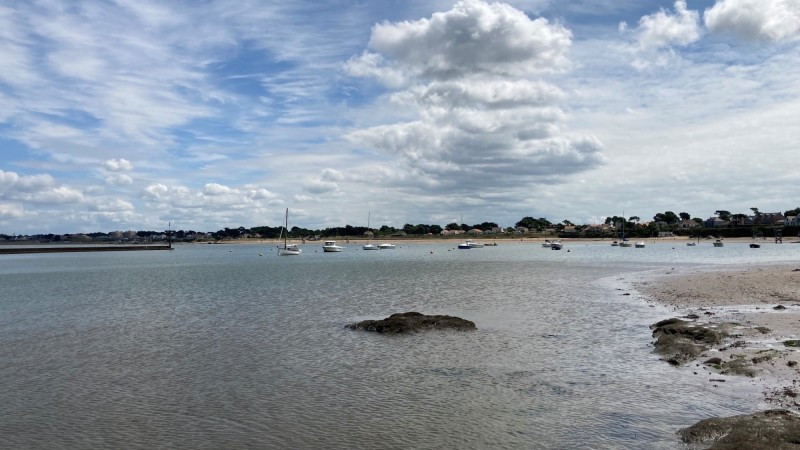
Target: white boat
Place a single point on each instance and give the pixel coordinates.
(615, 244)
(626, 243)
(639, 244)
(691, 244)
(547, 243)
(469, 243)
(330, 246)
(718, 243)
(369, 245)
(386, 246)
(556, 245)
(287, 249)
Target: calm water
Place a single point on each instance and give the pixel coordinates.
(214, 346)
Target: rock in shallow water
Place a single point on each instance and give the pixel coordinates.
(411, 322)
(679, 341)
(774, 429)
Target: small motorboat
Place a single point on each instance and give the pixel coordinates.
(386, 246)
(718, 243)
(555, 245)
(469, 243)
(369, 246)
(547, 243)
(330, 246)
(615, 244)
(755, 245)
(639, 244)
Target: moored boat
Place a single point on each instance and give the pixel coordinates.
(386, 246)
(330, 246)
(287, 249)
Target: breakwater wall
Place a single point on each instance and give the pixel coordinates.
(97, 248)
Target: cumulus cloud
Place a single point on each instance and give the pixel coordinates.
(118, 165)
(55, 195)
(213, 196)
(474, 76)
(472, 38)
(119, 180)
(664, 29)
(773, 20)
(214, 189)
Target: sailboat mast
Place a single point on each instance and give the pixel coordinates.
(286, 225)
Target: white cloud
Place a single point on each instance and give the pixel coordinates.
(155, 191)
(119, 179)
(214, 189)
(663, 29)
(485, 116)
(329, 174)
(769, 20)
(118, 165)
(115, 205)
(12, 183)
(320, 186)
(54, 195)
(11, 211)
(474, 37)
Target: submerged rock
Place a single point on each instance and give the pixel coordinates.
(774, 429)
(411, 322)
(680, 341)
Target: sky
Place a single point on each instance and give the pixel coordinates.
(132, 114)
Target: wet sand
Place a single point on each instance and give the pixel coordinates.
(763, 306)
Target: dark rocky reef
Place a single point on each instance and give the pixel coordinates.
(680, 341)
(774, 429)
(411, 322)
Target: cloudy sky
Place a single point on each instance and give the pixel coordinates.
(131, 114)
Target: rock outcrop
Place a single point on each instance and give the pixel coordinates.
(680, 341)
(411, 322)
(776, 429)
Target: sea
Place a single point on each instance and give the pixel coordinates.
(233, 346)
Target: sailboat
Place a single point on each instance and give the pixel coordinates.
(624, 242)
(369, 245)
(287, 249)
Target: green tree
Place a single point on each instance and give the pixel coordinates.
(527, 222)
(684, 216)
(792, 212)
(723, 214)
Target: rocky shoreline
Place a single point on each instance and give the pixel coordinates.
(735, 322)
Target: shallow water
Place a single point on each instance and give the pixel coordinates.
(214, 346)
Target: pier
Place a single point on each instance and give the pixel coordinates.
(14, 250)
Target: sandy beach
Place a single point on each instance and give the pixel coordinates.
(760, 308)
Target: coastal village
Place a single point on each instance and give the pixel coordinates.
(664, 225)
